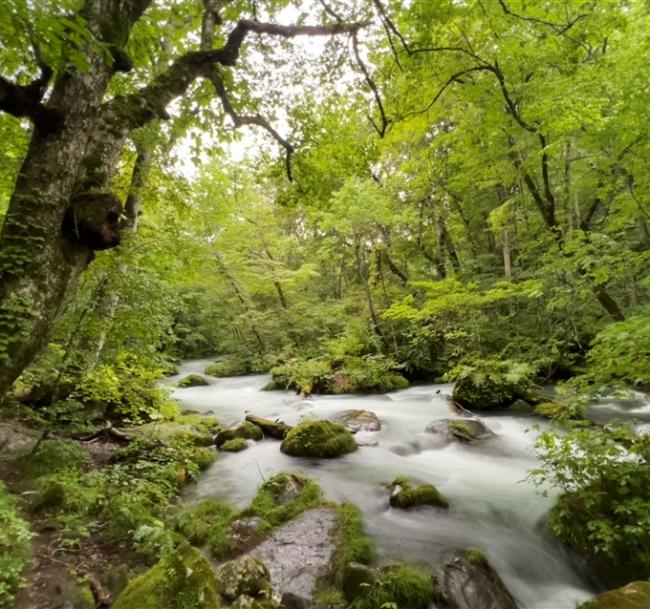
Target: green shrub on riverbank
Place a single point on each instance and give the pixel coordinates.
(400, 586)
(14, 548)
(602, 513)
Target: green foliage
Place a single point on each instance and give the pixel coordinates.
(196, 523)
(621, 353)
(399, 586)
(318, 439)
(15, 550)
(231, 366)
(50, 456)
(193, 380)
(350, 374)
(602, 512)
(284, 497)
(491, 384)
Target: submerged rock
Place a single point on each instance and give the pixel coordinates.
(274, 429)
(633, 596)
(358, 420)
(469, 582)
(299, 553)
(403, 495)
(193, 380)
(465, 430)
(318, 439)
(183, 578)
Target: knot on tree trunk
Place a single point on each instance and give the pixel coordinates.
(93, 220)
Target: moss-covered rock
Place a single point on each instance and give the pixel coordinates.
(468, 581)
(196, 522)
(193, 380)
(282, 498)
(356, 580)
(75, 595)
(404, 494)
(184, 578)
(246, 576)
(272, 429)
(234, 446)
(463, 430)
(318, 439)
(247, 431)
(633, 596)
(50, 456)
(399, 586)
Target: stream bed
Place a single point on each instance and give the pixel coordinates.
(493, 507)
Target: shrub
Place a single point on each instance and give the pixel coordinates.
(52, 456)
(14, 548)
(602, 513)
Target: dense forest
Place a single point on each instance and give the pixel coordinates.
(356, 199)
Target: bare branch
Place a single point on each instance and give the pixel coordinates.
(558, 28)
(239, 121)
(390, 26)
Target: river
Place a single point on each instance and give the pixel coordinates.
(493, 507)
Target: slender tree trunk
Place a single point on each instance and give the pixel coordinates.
(507, 261)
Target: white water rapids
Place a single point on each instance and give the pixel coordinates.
(493, 507)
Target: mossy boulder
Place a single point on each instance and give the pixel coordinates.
(75, 595)
(404, 494)
(358, 420)
(193, 380)
(235, 445)
(246, 431)
(184, 578)
(196, 522)
(633, 596)
(272, 429)
(356, 580)
(246, 576)
(318, 439)
(468, 581)
(463, 430)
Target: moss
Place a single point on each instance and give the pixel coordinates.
(201, 423)
(196, 522)
(399, 586)
(405, 495)
(633, 596)
(354, 545)
(193, 380)
(181, 580)
(234, 446)
(283, 497)
(559, 410)
(460, 426)
(476, 556)
(318, 439)
(52, 456)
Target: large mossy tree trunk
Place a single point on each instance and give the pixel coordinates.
(59, 212)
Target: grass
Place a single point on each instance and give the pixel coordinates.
(398, 587)
(354, 545)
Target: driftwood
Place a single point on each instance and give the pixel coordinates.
(108, 431)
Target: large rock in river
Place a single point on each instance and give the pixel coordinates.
(358, 420)
(299, 553)
(469, 582)
(464, 430)
(193, 380)
(318, 439)
(633, 596)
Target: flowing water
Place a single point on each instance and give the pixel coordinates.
(492, 505)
